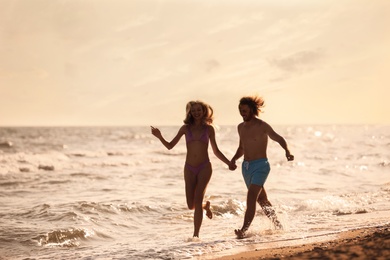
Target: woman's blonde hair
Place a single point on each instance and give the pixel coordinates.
(208, 113)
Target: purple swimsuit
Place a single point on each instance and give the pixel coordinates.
(203, 138)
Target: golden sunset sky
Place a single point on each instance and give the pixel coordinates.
(138, 62)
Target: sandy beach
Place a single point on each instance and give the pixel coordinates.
(365, 243)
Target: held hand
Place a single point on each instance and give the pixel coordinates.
(232, 165)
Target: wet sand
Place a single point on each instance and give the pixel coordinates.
(365, 243)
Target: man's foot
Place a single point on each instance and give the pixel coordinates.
(239, 233)
(209, 214)
(278, 225)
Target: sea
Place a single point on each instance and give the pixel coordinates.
(118, 193)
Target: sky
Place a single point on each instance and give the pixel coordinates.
(138, 62)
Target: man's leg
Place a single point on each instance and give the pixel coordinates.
(253, 193)
(268, 209)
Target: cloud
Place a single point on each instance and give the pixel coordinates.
(27, 73)
(298, 62)
(7, 74)
(236, 22)
(212, 65)
(138, 21)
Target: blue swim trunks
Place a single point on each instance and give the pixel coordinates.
(255, 172)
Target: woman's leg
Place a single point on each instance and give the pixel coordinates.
(203, 179)
(190, 185)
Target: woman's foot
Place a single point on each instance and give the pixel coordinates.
(209, 214)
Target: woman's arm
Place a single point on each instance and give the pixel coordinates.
(169, 145)
(215, 148)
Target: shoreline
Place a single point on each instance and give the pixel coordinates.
(362, 243)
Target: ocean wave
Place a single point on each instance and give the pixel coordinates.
(346, 204)
(52, 214)
(386, 187)
(117, 153)
(46, 167)
(6, 144)
(230, 207)
(67, 216)
(90, 176)
(109, 208)
(64, 237)
(27, 162)
(170, 153)
(55, 182)
(87, 153)
(384, 164)
(37, 212)
(11, 183)
(341, 212)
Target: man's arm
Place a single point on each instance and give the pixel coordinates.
(279, 139)
(239, 152)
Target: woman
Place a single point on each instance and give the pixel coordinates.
(199, 133)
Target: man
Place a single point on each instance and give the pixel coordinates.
(254, 134)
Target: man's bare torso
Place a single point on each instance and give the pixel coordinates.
(254, 139)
